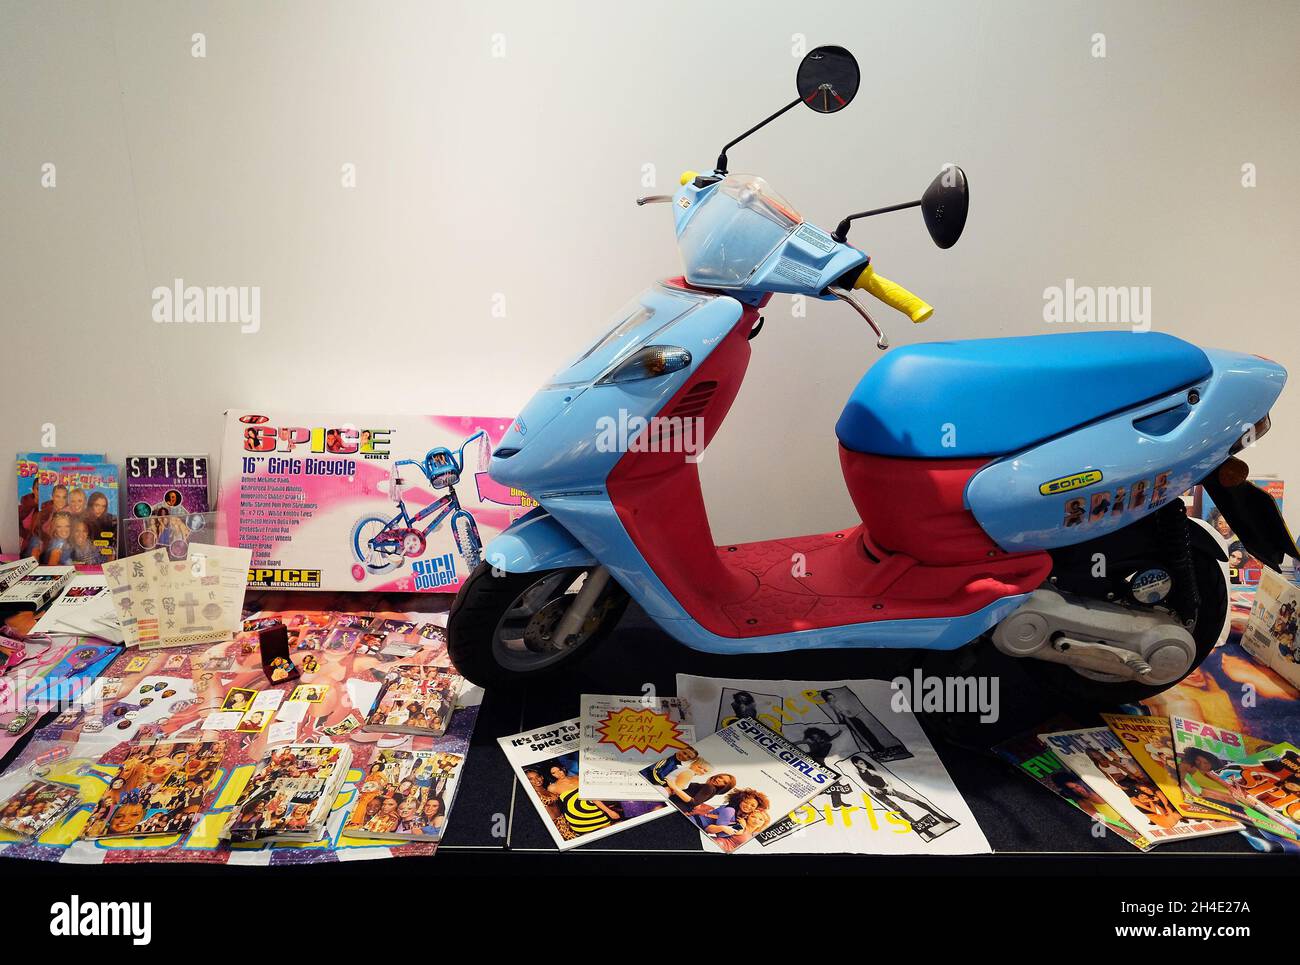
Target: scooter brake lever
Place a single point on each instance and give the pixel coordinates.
(653, 199)
(844, 295)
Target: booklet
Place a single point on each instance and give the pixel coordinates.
(546, 762)
(36, 808)
(621, 735)
(289, 795)
(1100, 759)
(405, 795)
(162, 787)
(1151, 742)
(734, 783)
(414, 699)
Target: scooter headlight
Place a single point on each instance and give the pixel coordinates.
(647, 363)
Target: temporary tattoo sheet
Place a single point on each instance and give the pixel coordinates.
(131, 582)
(201, 597)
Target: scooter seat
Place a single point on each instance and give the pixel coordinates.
(994, 396)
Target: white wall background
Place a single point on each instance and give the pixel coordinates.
(480, 176)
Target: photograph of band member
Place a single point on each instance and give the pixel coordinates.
(842, 706)
(736, 704)
(894, 794)
(820, 740)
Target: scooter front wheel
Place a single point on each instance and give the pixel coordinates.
(501, 629)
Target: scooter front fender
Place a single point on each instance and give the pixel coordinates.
(535, 542)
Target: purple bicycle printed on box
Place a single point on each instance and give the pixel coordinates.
(381, 545)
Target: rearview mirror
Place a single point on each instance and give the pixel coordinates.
(944, 205)
(827, 79)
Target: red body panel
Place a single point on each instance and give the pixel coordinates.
(919, 552)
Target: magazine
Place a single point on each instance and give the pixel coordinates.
(162, 787)
(1243, 569)
(1151, 742)
(893, 796)
(405, 795)
(1268, 782)
(67, 509)
(290, 793)
(621, 735)
(414, 699)
(1027, 754)
(1099, 758)
(1270, 634)
(1203, 752)
(36, 808)
(733, 784)
(545, 761)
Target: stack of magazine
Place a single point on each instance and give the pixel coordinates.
(1155, 779)
(289, 795)
(414, 699)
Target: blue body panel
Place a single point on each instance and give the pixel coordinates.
(535, 542)
(1125, 466)
(990, 397)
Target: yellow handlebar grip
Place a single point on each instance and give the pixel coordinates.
(688, 176)
(893, 295)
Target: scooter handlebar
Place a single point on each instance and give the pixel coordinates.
(893, 295)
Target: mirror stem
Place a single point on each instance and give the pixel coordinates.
(842, 230)
(721, 168)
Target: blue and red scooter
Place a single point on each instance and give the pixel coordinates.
(1020, 492)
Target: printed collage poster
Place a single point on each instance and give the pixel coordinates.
(894, 795)
(211, 696)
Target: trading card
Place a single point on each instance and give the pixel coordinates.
(239, 698)
(254, 722)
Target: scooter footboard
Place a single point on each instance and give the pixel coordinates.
(536, 542)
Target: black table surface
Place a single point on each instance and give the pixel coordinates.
(494, 825)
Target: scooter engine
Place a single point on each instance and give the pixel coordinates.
(1100, 640)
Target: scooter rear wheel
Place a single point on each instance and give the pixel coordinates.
(1212, 586)
(499, 628)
